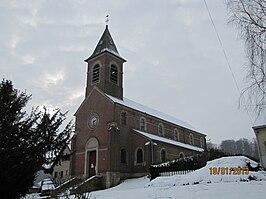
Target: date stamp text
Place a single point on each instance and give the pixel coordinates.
(229, 171)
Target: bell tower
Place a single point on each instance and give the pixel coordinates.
(105, 67)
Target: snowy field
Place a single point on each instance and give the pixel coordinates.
(199, 184)
(137, 189)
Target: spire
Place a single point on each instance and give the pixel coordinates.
(106, 43)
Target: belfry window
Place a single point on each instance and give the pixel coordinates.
(114, 74)
(96, 74)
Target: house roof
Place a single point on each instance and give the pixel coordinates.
(105, 44)
(260, 121)
(134, 105)
(168, 141)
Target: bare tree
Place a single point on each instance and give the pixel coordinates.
(228, 146)
(242, 146)
(249, 16)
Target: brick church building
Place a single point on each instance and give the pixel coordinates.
(116, 137)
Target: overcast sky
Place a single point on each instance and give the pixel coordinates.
(174, 61)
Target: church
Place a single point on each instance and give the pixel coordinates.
(117, 138)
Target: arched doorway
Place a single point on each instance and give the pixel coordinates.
(91, 157)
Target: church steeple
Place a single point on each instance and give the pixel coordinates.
(106, 43)
(105, 67)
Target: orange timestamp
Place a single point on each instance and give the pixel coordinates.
(229, 171)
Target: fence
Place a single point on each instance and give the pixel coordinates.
(172, 173)
(180, 166)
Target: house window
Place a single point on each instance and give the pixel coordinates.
(96, 74)
(139, 156)
(142, 124)
(123, 156)
(55, 174)
(176, 134)
(201, 142)
(191, 139)
(123, 118)
(66, 157)
(114, 74)
(163, 155)
(160, 129)
(61, 174)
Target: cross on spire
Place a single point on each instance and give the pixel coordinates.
(107, 19)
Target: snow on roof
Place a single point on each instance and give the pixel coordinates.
(261, 120)
(168, 141)
(111, 51)
(134, 105)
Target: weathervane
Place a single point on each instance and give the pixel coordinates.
(107, 19)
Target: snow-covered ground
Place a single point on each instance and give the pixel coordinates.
(137, 189)
(203, 175)
(199, 184)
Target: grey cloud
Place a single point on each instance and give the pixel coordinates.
(175, 63)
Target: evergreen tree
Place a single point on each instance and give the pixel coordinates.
(28, 142)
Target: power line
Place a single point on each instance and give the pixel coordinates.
(221, 44)
(225, 55)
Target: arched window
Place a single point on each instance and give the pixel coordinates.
(160, 129)
(114, 74)
(142, 124)
(181, 155)
(123, 118)
(163, 155)
(191, 139)
(96, 74)
(201, 142)
(139, 156)
(123, 156)
(176, 134)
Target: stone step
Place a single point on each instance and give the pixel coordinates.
(65, 186)
(91, 184)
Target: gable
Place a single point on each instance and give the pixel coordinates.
(90, 96)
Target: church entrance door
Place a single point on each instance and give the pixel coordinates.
(92, 163)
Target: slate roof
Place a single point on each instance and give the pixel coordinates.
(168, 141)
(105, 44)
(144, 109)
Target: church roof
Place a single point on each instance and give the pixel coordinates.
(168, 141)
(105, 44)
(134, 105)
